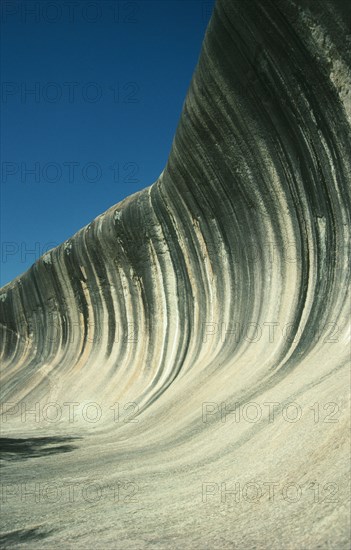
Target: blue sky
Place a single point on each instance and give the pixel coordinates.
(91, 95)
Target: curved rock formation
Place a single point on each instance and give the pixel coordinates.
(194, 340)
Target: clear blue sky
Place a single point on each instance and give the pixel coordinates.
(91, 95)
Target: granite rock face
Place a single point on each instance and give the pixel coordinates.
(191, 346)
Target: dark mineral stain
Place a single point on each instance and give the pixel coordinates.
(21, 536)
(34, 447)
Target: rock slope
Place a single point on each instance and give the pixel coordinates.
(177, 373)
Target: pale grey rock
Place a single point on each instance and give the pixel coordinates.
(246, 230)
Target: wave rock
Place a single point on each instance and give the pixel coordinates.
(191, 346)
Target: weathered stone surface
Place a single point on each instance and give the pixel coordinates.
(224, 283)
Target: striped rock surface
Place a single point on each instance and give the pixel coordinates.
(177, 373)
